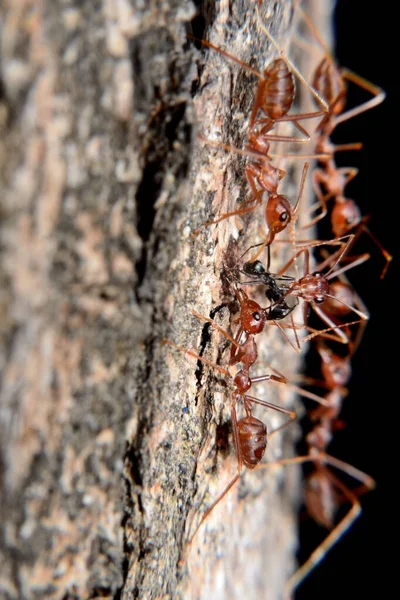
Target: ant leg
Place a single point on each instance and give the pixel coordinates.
(365, 479)
(351, 262)
(388, 257)
(270, 137)
(362, 226)
(335, 338)
(265, 244)
(225, 216)
(232, 482)
(197, 356)
(378, 95)
(292, 415)
(237, 350)
(319, 554)
(234, 341)
(321, 551)
(299, 390)
(358, 302)
(346, 147)
(342, 337)
(213, 505)
(227, 55)
(296, 347)
(314, 31)
(301, 190)
(241, 152)
(252, 174)
(318, 178)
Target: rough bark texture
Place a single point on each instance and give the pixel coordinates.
(113, 445)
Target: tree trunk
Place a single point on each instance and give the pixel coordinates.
(113, 445)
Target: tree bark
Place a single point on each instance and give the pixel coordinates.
(112, 444)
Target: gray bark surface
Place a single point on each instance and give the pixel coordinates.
(112, 444)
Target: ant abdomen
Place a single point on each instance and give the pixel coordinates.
(330, 85)
(345, 217)
(321, 498)
(278, 90)
(252, 441)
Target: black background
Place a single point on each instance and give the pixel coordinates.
(363, 562)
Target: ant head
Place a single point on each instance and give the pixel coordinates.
(336, 370)
(280, 311)
(345, 217)
(278, 214)
(252, 316)
(314, 288)
(254, 268)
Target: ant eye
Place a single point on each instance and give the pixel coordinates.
(257, 316)
(284, 217)
(319, 299)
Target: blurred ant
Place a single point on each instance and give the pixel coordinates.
(324, 491)
(328, 180)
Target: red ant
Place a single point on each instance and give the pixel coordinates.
(324, 491)
(314, 288)
(329, 81)
(274, 98)
(249, 433)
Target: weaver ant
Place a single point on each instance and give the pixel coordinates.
(249, 433)
(328, 180)
(324, 491)
(274, 98)
(314, 288)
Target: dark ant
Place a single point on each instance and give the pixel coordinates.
(279, 309)
(314, 288)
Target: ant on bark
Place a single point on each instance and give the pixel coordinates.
(314, 288)
(274, 98)
(249, 433)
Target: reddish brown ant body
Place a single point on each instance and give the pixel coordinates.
(328, 180)
(324, 491)
(274, 98)
(249, 433)
(314, 288)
